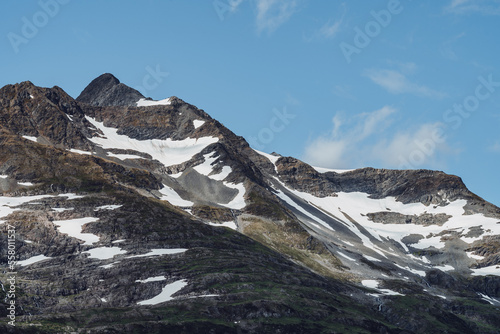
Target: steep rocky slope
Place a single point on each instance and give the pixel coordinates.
(134, 215)
(107, 90)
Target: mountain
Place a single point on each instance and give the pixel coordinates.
(143, 216)
(107, 90)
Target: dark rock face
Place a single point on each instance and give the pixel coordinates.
(398, 218)
(408, 186)
(43, 112)
(106, 90)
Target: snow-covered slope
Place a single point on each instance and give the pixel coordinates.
(162, 188)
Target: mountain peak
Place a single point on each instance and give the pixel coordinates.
(107, 90)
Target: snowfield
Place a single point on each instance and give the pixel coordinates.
(149, 103)
(206, 168)
(197, 123)
(34, 259)
(168, 152)
(160, 251)
(9, 205)
(170, 195)
(166, 293)
(357, 205)
(104, 253)
(73, 228)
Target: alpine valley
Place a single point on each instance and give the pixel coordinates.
(129, 215)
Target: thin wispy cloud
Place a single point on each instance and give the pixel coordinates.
(330, 29)
(234, 4)
(396, 82)
(340, 148)
(344, 91)
(416, 148)
(447, 50)
(482, 7)
(368, 139)
(273, 13)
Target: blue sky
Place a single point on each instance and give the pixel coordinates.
(340, 84)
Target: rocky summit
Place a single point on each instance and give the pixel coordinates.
(122, 214)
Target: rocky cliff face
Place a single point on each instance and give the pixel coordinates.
(106, 90)
(157, 218)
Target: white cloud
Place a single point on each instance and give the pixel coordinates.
(324, 152)
(413, 149)
(483, 7)
(372, 122)
(336, 148)
(273, 13)
(397, 83)
(364, 140)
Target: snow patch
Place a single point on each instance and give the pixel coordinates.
(73, 228)
(489, 299)
(325, 170)
(238, 202)
(107, 266)
(173, 197)
(80, 151)
(104, 253)
(166, 293)
(370, 283)
(30, 138)
(168, 152)
(8, 204)
(71, 196)
(62, 209)
(445, 267)
(149, 103)
(347, 257)
(291, 202)
(124, 156)
(230, 224)
(108, 207)
(373, 284)
(474, 256)
(151, 279)
(202, 296)
(33, 259)
(206, 168)
(25, 184)
(160, 251)
(491, 270)
(413, 271)
(197, 123)
(270, 157)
